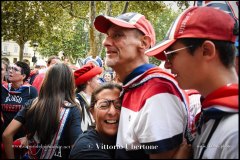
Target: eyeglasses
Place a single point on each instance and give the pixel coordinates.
(14, 69)
(169, 55)
(105, 104)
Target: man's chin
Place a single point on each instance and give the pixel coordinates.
(110, 63)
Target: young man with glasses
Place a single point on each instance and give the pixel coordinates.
(154, 112)
(15, 94)
(207, 66)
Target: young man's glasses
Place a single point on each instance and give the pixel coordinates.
(14, 69)
(105, 104)
(169, 55)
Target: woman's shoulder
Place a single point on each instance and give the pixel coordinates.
(74, 109)
(89, 146)
(71, 106)
(87, 138)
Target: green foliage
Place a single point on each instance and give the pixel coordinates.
(24, 21)
(64, 25)
(20, 20)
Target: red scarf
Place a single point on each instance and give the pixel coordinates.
(226, 96)
(221, 102)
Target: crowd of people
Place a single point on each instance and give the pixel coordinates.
(187, 108)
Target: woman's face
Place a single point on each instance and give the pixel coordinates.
(106, 113)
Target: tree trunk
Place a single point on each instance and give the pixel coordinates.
(21, 45)
(125, 7)
(100, 37)
(93, 50)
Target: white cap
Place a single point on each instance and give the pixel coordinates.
(41, 62)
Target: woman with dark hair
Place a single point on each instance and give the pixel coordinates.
(99, 143)
(52, 121)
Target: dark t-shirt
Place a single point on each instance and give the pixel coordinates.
(71, 131)
(90, 146)
(13, 101)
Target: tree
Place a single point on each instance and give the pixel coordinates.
(24, 21)
(68, 25)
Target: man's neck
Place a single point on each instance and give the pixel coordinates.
(17, 85)
(124, 71)
(224, 78)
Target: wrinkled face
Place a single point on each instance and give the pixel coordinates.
(121, 46)
(106, 113)
(185, 67)
(15, 74)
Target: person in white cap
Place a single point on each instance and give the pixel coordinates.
(154, 112)
(38, 67)
(37, 82)
(199, 49)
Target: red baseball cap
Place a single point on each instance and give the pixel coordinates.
(86, 72)
(127, 20)
(197, 22)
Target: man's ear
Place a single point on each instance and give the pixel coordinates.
(209, 50)
(24, 75)
(146, 42)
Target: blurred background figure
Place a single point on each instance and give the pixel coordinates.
(39, 78)
(108, 77)
(39, 65)
(4, 72)
(66, 60)
(4, 66)
(96, 61)
(116, 78)
(86, 80)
